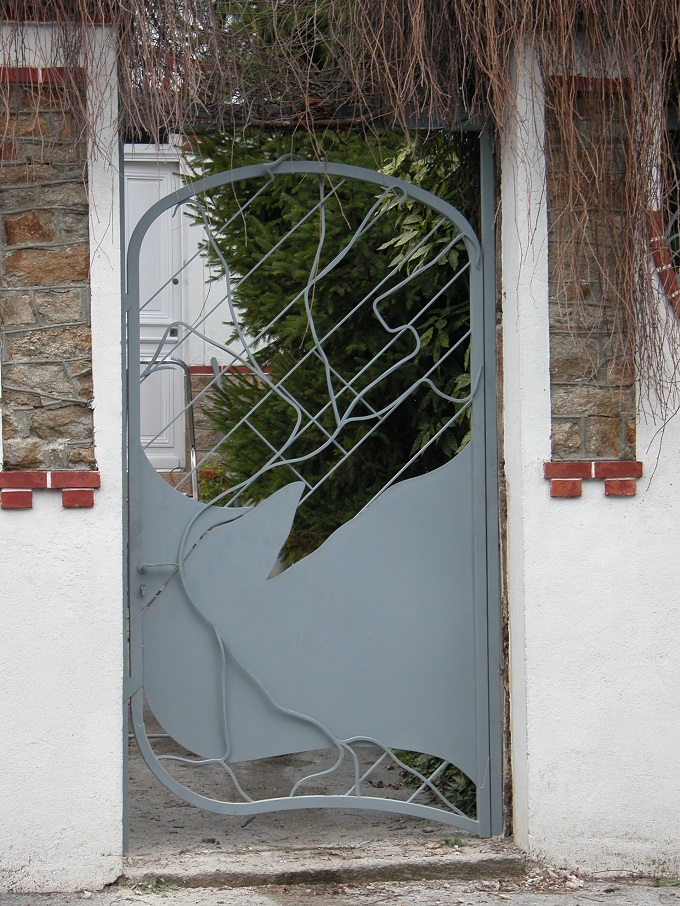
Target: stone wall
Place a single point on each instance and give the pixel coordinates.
(206, 433)
(592, 392)
(46, 369)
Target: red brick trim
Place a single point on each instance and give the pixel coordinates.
(34, 75)
(568, 469)
(605, 469)
(23, 480)
(80, 497)
(566, 477)
(16, 500)
(77, 488)
(620, 487)
(566, 487)
(75, 480)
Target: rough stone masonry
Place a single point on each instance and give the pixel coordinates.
(592, 390)
(46, 370)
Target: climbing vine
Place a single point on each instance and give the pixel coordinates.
(608, 69)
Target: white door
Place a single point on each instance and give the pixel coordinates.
(149, 176)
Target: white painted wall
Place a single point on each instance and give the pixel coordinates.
(594, 594)
(61, 626)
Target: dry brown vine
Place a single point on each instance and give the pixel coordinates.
(609, 68)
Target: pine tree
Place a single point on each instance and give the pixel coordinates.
(256, 420)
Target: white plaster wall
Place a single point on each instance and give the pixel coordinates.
(594, 593)
(61, 628)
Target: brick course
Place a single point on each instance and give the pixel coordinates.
(76, 487)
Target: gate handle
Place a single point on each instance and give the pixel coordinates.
(145, 567)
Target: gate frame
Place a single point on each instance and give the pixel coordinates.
(493, 618)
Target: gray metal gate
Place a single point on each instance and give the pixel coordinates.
(381, 646)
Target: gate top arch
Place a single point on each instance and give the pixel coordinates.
(289, 166)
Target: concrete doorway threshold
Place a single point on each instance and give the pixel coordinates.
(188, 847)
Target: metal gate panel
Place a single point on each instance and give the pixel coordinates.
(375, 644)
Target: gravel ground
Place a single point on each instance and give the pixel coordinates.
(534, 890)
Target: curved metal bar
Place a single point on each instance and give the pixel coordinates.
(287, 167)
(286, 803)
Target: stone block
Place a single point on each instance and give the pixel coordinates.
(22, 454)
(81, 369)
(43, 379)
(621, 373)
(20, 398)
(72, 423)
(8, 150)
(45, 267)
(68, 129)
(630, 445)
(200, 382)
(75, 227)
(83, 384)
(566, 438)
(206, 439)
(15, 309)
(82, 457)
(202, 418)
(43, 95)
(30, 124)
(67, 195)
(568, 316)
(51, 151)
(576, 401)
(573, 358)
(15, 199)
(603, 437)
(29, 228)
(61, 306)
(9, 426)
(55, 454)
(16, 421)
(49, 344)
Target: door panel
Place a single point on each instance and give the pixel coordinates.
(148, 178)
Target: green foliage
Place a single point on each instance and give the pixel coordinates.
(212, 481)
(285, 342)
(453, 784)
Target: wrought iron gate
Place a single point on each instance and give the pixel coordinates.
(375, 651)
